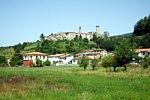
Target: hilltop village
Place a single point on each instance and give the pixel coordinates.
(72, 35)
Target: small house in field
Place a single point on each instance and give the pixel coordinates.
(31, 57)
(93, 55)
(60, 59)
(143, 52)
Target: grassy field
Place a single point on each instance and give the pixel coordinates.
(73, 83)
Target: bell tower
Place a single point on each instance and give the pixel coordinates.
(80, 30)
(97, 29)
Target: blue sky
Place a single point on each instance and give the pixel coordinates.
(24, 20)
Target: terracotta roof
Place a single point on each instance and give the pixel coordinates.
(60, 55)
(77, 58)
(89, 34)
(56, 55)
(143, 50)
(71, 33)
(36, 53)
(92, 54)
(88, 50)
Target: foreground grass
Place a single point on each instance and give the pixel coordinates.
(73, 83)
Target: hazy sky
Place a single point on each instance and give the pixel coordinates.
(24, 20)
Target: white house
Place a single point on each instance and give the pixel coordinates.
(93, 55)
(102, 52)
(60, 59)
(143, 52)
(75, 60)
(31, 57)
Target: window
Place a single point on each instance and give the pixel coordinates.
(25, 57)
(143, 53)
(43, 57)
(31, 57)
(36, 57)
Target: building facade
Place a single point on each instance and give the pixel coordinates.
(31, 57)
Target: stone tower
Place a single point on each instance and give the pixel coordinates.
(97, 30)
(80, 30)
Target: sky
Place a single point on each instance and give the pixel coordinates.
(24, 20)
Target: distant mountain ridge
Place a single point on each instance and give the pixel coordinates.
(126, 34)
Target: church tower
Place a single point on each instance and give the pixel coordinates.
(80, 30)
(97, 30)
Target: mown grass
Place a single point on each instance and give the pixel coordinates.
(73, 83)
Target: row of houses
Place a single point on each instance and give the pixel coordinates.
(67, 59)
(63, 59)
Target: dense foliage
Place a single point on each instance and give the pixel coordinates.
(3, 61)
(14, 61)
(124, 53)
(83, 62)
(145, 62)
(47, 63)
(142, 26)
(39, 63)
(94, 63)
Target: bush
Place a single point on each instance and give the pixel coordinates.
(84, 62)
(3, 61)
(94, 63)
(145, 62)
(14, 61)
(39, 63)
(32, 64)
(109, 61)
(106, 62)
(47, 63)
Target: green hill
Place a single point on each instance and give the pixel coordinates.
(123, 35)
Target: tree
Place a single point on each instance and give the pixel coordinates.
(3, 61)
(147, 27)
(80, 37)
(124, 53)
(47, 63)
(109, 61)
(42, 37)
(85, 40)
(142, 26)
(94, 37)
(76, 38)
(84, 62)
(39, 63)
(14, 60)
(94, 63)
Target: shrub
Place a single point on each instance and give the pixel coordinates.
(94, 63)
(32, 64)
(3, 61)
(39, 63)
(145, 62)
(47, 63)
(106, 61)
(84, 62)
(14, 61)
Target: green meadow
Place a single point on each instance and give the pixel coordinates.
(73, 83)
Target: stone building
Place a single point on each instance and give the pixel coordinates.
(72, 35)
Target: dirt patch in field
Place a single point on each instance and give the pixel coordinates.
(12, 83)
(10, 79)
